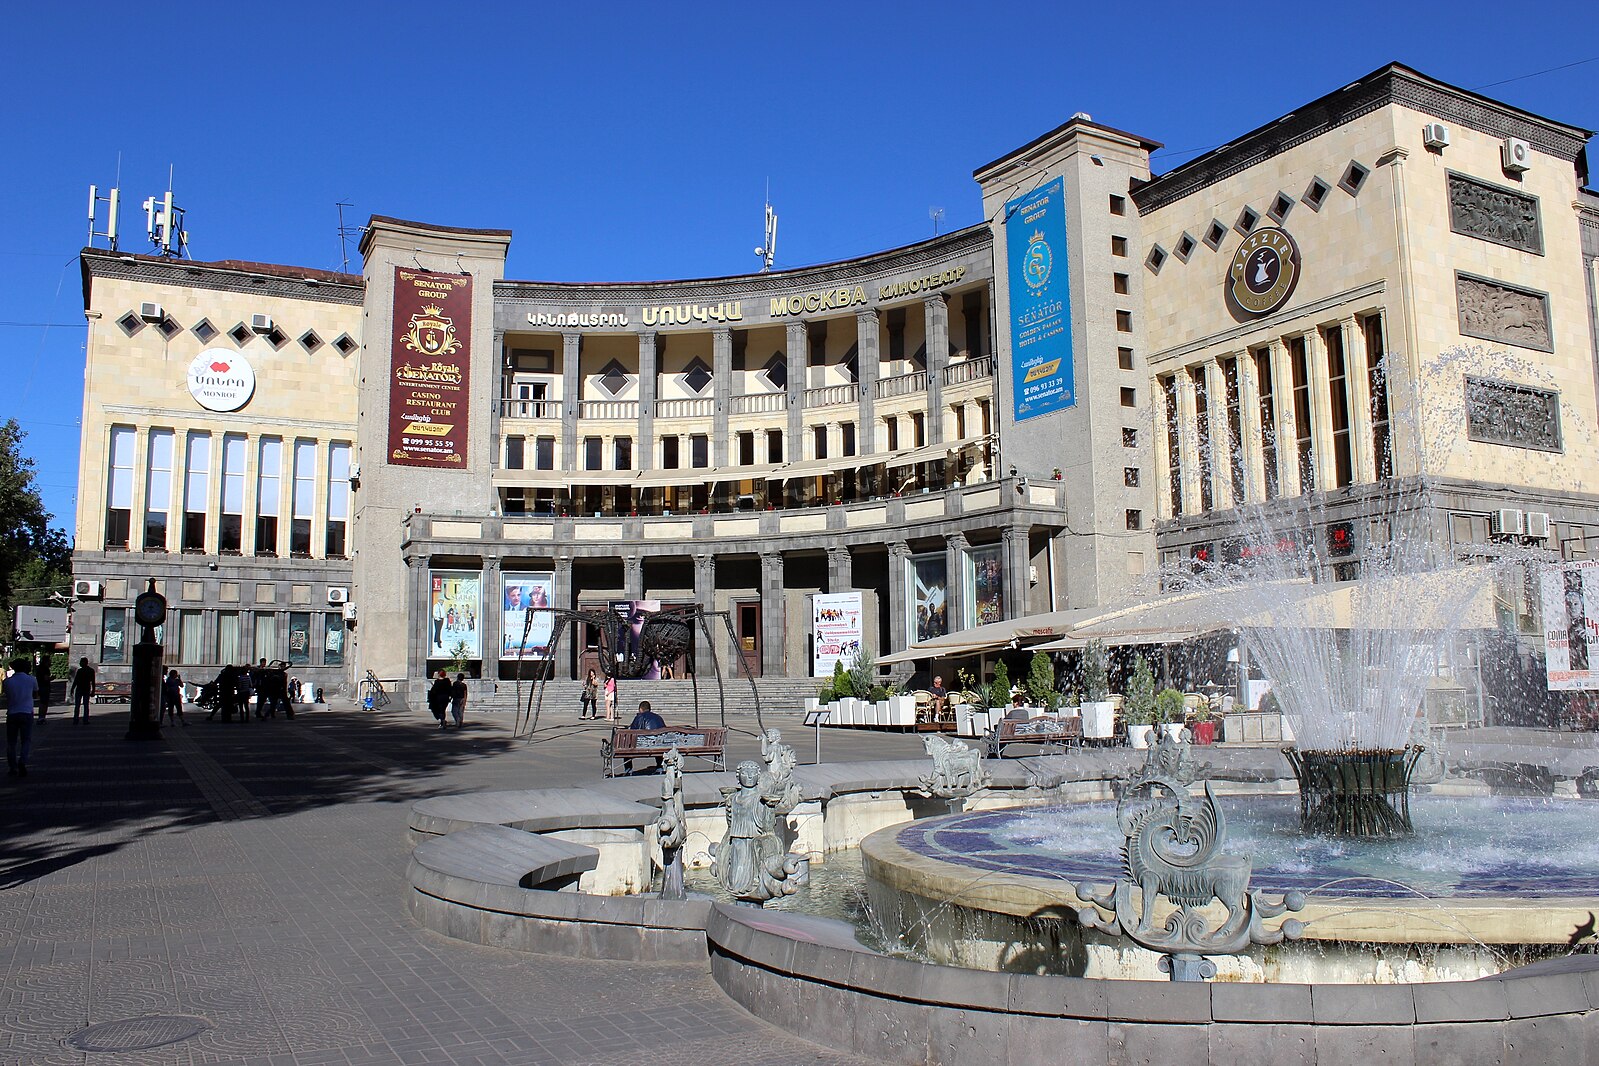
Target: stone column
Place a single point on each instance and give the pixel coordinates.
(722, 394)
(633, 577)
(1016, 563)
(1320, 411)
(840, 569)
(1249, 426)
(1363, 449)
(955, 606)
(648, 379)
(1221, 438)
(705, 596)
(935, 318)
(1282, 384)
(565, 597)
(1188, 442)
(774, 627)
(489, 624)
(798, 355)
(422, 613)
(867, 336)
(899, 621)
(571, 388)
(501, 375)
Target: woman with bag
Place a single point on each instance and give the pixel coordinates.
(439, 696)
(590, 706)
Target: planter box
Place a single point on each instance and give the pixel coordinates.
(1253, 727)
(1138, 735)
(1204, 732)
(1173, 730)
(1099, 720)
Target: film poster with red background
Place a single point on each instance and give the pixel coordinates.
(431, 360)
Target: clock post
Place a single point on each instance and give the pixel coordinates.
(149, 611)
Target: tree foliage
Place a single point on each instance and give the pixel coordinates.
(35, 559)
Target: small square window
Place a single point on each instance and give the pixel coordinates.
(1135, 519)
(613, 378)
(1124, 321)
(276, 337)
(1124, 358)
(130, 323)
(1248, 218)
(1129, 397)
(1118, 246)
(168, 328)
(697, 375)
(1129, 437)
(345, 344)
(310, 341)
(1121, 283)
(1118, 205)
(1155, 259)
(1130, 476)
(1185, 246)
(1215, 233)
(241, 334)
(1280, 206)
(1316, 194)
(1354, 177)
(204, 330)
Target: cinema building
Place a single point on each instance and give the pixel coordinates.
(387, 470)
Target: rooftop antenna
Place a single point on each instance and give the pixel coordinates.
(768, 250)
(112, 201)
(345, 232)
(937, 215)
(163, 223)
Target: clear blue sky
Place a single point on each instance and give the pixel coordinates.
(627, 142)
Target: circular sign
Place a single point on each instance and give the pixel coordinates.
(1264, 271)
(220, 380)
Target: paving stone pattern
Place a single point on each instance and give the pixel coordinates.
(252, 875)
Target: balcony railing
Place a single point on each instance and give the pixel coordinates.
(541, 409)
(759, 403)
(832, 395)
(697, 407)
(969, 370)
(902, 385)
(608, 410)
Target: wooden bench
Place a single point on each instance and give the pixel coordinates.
(1033, 731)
(708, 742)
(113, 691)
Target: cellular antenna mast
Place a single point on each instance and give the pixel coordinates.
(112, 200)
(768, 250)
(163, 224)
(345, 233)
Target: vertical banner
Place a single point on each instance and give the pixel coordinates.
(836, 627)
(1571, 625)
(430, 363)
(1038, 283)
(524, 599)
(928, 588)
(453, 613)
(985, 585)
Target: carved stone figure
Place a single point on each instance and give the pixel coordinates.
(1518, 415)
(672, 826)
(1497, 312)
(957, 769)
(750, 862)
(1493, 214)
(777, 780)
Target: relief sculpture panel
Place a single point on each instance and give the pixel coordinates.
(1490, 213)
(1497, 312)
(1498, 412)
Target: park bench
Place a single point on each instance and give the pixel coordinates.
(113, 691)
(709, 742)
(1045, 730)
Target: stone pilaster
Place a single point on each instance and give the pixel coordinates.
(1282, 382)
(1188, 443)
(492, 617)
(955, 605)
(722, 393)
(1016, 562)
(571, 391)
(633, 577)
(1358, 385)
(566, 598)
(840, 569)
(1249, 427)
(867, 330)
(1221, 440)
(705, 596)
(774, 626)
(500, 386)
(1320, 410)
(798, 355)
(935, 317)
(648, 382)
(899, 618)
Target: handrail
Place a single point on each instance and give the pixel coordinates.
(902, 384)
(832, 395)
(758, 403)
(691, 407)
(534, 409)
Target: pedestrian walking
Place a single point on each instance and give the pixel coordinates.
(19, 690)
(172, 699)
(439, 696)
(610, 699)
(590, 705)
(458, 700)
(244, 687)
(82, 689)
(41, 675)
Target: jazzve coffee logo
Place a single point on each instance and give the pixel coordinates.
(1264, 271)
(220, 380)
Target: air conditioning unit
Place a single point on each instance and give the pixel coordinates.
(261, 323)
(349, 612)
(1516, 155)
(1538, 525)
(152, 312)
(1507, 522)
(87, 590)
(337, 595)
(1435, 135)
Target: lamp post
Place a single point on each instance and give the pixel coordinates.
(144, 698)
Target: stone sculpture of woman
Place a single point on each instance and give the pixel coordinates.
(672, 825)
(751, 863)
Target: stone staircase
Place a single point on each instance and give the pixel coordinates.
(672, 700)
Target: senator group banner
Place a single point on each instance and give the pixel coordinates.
(836, 629)
(429, 367)
(1039, 288)
(526, 627)
(455, 611)
(1571, 625)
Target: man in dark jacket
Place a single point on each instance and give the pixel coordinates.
(644, 719)
(439, 696)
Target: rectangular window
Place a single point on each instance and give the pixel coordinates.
(987, 412)
(114, 635)
(1268, 423)
(819, 441)
(230, 532)
(892, 425)
(1118, 204)
(622, 453)
(1235, 428)
(1201, 380)
(1129, 396)
(774, 446)
(1121, 283)
(1382, 444)
(266, 635)
(266, 500)
(1124, 321)
(1118, 246)
(746, 448)
(669, 457)
(1129, 437)
(699, 451)
(158, 491)
(304, 501)
(1338, 399)
(119, 489)
(196, 491)
(544, 453)
(918, 429)
(190, 629)
(332, 640)
(228, 650)
(1124, 358)
(1135, 520)
(338, 499)
(1303, 457)
(593, 453)
(847, 438)
(299, 638)
(959, 410)
(1130, 476)
(515, 453)
(1174, 452)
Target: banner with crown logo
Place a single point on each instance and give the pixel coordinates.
(1039, 287)
(430, 366)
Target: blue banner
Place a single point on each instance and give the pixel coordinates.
(1039, 285)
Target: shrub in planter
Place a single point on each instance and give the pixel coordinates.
(843, 684)
(1168, 707)
(1040, 680)
(878, 694)
(1096, 672)
(1140, 706)
(999, 688)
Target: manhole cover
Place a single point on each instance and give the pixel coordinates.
(138, 1034)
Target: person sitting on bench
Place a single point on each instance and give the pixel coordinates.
(644, 719)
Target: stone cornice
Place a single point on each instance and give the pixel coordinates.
(290, 283)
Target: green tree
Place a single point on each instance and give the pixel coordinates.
(1096, 672)
(1040, 680)
(35, 559)
(999, 688)
(1141, 693)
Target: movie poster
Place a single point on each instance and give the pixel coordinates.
(985, 585)
(629, 637)
(836, 629)
(455, 609)
(430, 364)
(526, 624)
(1571, 625)
(928, 585)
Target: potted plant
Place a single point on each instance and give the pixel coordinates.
(901, 706)
(999, 688)
(844, 694)
(1204, 727)
(1141, 705)
(1040, 681)
(1169, 712)
(1098, 712)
